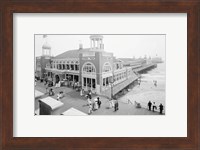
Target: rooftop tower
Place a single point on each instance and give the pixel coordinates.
(96, 42)
(46, 48)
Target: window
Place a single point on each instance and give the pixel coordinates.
(104, 81)
(89, 68)
(67, 66)
(76, 67)
(107, 83)
(72, 67)
(60, 66)
(107, 67)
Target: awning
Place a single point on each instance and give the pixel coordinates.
(56, 71)
(62, 71)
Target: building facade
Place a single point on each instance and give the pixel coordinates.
(93, 68)
(43, 62)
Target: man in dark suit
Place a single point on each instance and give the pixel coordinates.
(149, 105)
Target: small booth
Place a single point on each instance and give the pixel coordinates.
(48, 106)
(73, 112)
(38, 94)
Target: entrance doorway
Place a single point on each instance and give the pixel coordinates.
(89, 84)
(57, 78)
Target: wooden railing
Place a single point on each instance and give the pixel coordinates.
(120, 86)
(125, 83)
(144, 67)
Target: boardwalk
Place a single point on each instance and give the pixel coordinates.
(145, 67)
(72, 99)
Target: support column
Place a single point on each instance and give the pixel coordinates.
(98, 45)
(91, 84)
(86, 83)
(82, 83)
(90, 43)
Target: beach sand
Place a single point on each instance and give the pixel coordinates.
(146, 92)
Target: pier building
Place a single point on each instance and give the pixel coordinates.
(94, 69)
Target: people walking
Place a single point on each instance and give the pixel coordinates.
(90, 108)
(149, 105)
(46, 86)
(60, 95)
(111, 104)
(155, 83)
(51, 92)
(161, 108)
(116, 105)
(88, 100)
(89, 94)
(95, 104)
(154, 106)
(98, 102)
(81, 92)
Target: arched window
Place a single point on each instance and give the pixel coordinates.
(76, 65)
(88, 68)
(72, 65)
(63, 66)
(107, 67)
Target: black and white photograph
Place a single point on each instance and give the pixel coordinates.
(100, 74)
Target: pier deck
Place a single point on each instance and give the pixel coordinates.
(113, 90)
(145, 67)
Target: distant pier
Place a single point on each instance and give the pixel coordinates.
(145, 68)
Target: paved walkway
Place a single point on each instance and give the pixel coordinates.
(73, 99)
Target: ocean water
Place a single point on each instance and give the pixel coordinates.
(157, 74)
(147, 91)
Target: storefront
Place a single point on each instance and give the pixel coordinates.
(89, 77)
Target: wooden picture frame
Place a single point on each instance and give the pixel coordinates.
(7, 8)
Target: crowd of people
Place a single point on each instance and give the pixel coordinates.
(95, 103)
(154, 107)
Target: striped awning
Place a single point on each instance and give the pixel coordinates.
(56, 71)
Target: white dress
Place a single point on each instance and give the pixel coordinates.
(95, 104)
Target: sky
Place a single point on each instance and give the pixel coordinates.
(123, 46)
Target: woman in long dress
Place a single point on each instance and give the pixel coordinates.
(81, 92)
(95, 104)
(111, 103)
(90, 106)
